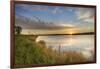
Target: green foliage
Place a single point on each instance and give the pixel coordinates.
(18, 30)
(30, 52)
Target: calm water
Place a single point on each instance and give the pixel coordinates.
(78, 43)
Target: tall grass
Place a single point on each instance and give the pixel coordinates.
(30, 52)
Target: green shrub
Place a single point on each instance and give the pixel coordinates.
(30, 52)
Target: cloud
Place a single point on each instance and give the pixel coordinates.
(40, 8)
(33, 24)
(49, 9)
(85, 14)
(56, 10)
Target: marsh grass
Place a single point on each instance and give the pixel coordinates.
(29, 52)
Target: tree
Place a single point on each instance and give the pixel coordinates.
(18, 29)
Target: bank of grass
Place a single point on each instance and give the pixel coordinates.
(28, 51)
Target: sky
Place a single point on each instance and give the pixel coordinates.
(43, 19)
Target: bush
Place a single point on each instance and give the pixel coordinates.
(30, 52)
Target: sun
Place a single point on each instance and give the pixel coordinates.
(71, 32)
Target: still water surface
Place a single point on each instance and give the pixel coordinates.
(78, 43)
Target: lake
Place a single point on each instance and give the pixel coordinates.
(77, 43)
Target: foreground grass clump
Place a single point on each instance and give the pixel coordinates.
(28, 51)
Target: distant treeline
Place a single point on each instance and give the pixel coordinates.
(86, 33)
